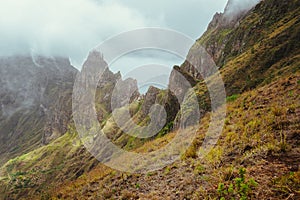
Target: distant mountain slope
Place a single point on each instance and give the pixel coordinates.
(35, 99)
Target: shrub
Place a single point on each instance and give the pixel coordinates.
(137, 186)
(232, 98)
(238, 188)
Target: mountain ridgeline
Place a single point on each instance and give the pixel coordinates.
(255, 46)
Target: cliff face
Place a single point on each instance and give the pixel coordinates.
(95, 70)
(35, 102)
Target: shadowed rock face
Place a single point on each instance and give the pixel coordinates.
(165, 98)
(150, 99)
(96, 71)
(35, 101)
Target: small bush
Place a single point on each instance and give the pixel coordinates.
(277, 111)
(232, 98)
(191, 152)
(137, 186)
(287, 184)
(238, 188)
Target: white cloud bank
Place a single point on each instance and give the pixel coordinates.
(72, 27)
(62, 27)
(236, 6)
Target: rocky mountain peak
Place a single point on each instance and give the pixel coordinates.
(238, 6)
(150, 99)
(233, 12)
(95, 59)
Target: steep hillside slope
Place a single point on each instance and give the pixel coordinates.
(261, 135)
(257, 156)
(255, 49)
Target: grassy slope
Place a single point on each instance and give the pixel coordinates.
(263, 47)
(261, 133)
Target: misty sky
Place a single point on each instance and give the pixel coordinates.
(71, 28)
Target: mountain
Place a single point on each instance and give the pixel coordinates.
(35, 102)
(256, 50)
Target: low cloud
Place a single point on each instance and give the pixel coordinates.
(235, 7)
(62, 27)
(70, 28)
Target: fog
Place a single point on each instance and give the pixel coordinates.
(235, 7)
(71, 28)
(62, 27)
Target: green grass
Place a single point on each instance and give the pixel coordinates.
(232, 98)
(239, 188)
